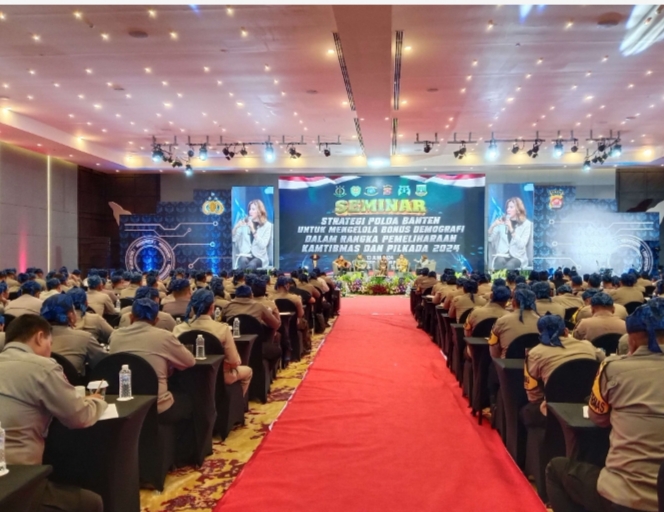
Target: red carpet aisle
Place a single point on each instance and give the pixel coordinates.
(379, 424)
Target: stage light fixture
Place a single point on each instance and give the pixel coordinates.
(203, 153)
(269, 153)
(294, 153)
(176, 163)
(532, 153)
(190, 152)
(575, 146)
(586, 165)
(558, 149)
(515, 148)
(427, 147)
(595, 160)
(243, 151)
(157, 153)
(492, 153)
(461, 152)
(616, 150)
(326, 151)
(228, 153)
(601, 146)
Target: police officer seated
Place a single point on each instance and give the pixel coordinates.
(544, 303)
(500, 296)
(53, 287)
(28, 302)
(202, 306)
(80, 348)
(164, 320)
(34, 390)
(627, 396)
(555, 348)
(176, 305)
(162, 350)
(88, 320)
(135, 280)
(603, 320)
(523, 320)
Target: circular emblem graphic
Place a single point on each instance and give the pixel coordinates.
(150, 253)
(630, 252)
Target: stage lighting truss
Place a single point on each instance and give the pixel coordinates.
(291, 148)
(607, 147)
(428, 144)
(461, 152)
(327, 151)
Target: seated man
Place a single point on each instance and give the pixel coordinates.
(627, 292)
(494, 309)
(567, 299)
(181, 294)
(162, 350)
(88, 320)
(164, 320)
(28, 303)
(77, 346)
(360, 264)
(99, 301)
(523, 320)
(244, 304)
(644, 280)
(627, 396)
(135, 280)
(578, 285)
(342, 265)
(466, 301)
(258, 291)
(53, 287)
(603, 320)
(202, 305)
(544, 303)
(33, 391)
(200, 280)
(586, 311)
(556, 347)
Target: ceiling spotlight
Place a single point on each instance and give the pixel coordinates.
(601, 146)
(190, 152)
(461, 152)
(243, 151)
(492, 154)
(427, 147)
(575, 146)
(188, 171)
(616, 150)
(558, 149)
(157, 153)
(176, 163)
(269, 153)
(532, 153)
(294, 153)
(327, 153)
(586, 165)
(515, 148)
(203, 153)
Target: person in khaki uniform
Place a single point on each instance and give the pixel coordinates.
(100, 302)
(644, 280)
(77, 346)
(586, 311)
(443, 291)
(12, 283)
(202, 306)
(428, 281)
(53, 287)
(603, 320)
(221, 297)
(566, 298)
(544, 302)
(28, 303)
(494, 309)
(420, 274)
(627, 395)
(33, 391)
(164, 353)
(3, 297)
(176, 304)
(523, 320)
(484, 285)
(303, 284)
(627, 292)
(469, 300)
(89, 321)
(164, 320)
(578, 286)
(134, 284)
(556, 347)
(447, 303)
(258, 291)
(282, 292)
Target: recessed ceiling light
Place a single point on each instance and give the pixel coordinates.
(105, 37)
(540, 60)
(127, 95)
(605, 58)
(649, 72)
(330, 51)
(569, 24)
(404, 102)
(518, 89)
(589, 115)
(30, 97)
(574, 87)
(588, 74)
(243, 32)
(229, 11)
(132, 123)
(97, 106)
(528, 75)
(652, 106)
(5, 86)
(179, 95)
(81, 96)
(589, 97)
(104, 130)
(206, 69)
(110, 84)
(510, 100)
(56, 84)
(152, 13)
(32, 71)
(3, 17)
(475, 62)
(118, 115)
(463, 89)
(276, 81)
(231, 94)
(40, 146)
(387, 119)
(552, 108)
(578, 124)
(36, 37)
(240, 104)
(219, 82)
(148, 70)
(267, 67)
(630, 86)
(174, 35)
(283, 93)
(71, 115)
(204, 114)
(89, 123)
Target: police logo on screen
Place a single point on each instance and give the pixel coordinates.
(340, 191)
(150, 253)
(421, 190)
(556, 199)
(355, 191)
(213, 206)
(371, 191)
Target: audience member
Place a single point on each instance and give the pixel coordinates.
(164, 320)
(87, 320)
(28, 303)
(176, 304)
(603, 320)
(544, 302)
(99, 301)
(523, 320)
(467, 301)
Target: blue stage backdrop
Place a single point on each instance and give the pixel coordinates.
(510, 203)
(590, 235)
(441, 216)
(193, 235)
(253, 205)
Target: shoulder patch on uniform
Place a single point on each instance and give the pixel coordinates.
(493, 340)
(529, 383)
(598, 403)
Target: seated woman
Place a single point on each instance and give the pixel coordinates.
(383, 266)
(402, 264)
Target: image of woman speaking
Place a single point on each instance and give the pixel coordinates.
(511, 238)
(252, 238)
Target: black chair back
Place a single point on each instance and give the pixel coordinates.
(631, 306)
(113, 319)
(260, 381)
(285, 305)
(8, 320)
(143, 377)
(74, 378)
(464, 316)
(660, 488)
(483, 329)
(649, 291)
(212, 344)
(517, 349)
(609, 342)
(569, 313)
(427, 291)
(572, 381)
(13, 296)
(126, 301)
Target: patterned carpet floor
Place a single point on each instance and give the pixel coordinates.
(199, 489)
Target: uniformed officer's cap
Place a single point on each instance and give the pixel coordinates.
(500, 294)
(648, 318)
(54, 309)
(145, 309)
(550, 328)
(200, 303)
(601, 299)
(80, 299)
(30, 288)
(243, 292)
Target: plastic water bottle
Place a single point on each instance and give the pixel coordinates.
(200, 347)
(217, 314)
(125, 383)
(236, 328)
(3, 461)
(118, 306)
(178, 320)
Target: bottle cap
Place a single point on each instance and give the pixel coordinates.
(125, 367)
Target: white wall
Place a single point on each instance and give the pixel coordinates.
(24, 210)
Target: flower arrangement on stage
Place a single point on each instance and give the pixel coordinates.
(362, 284)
